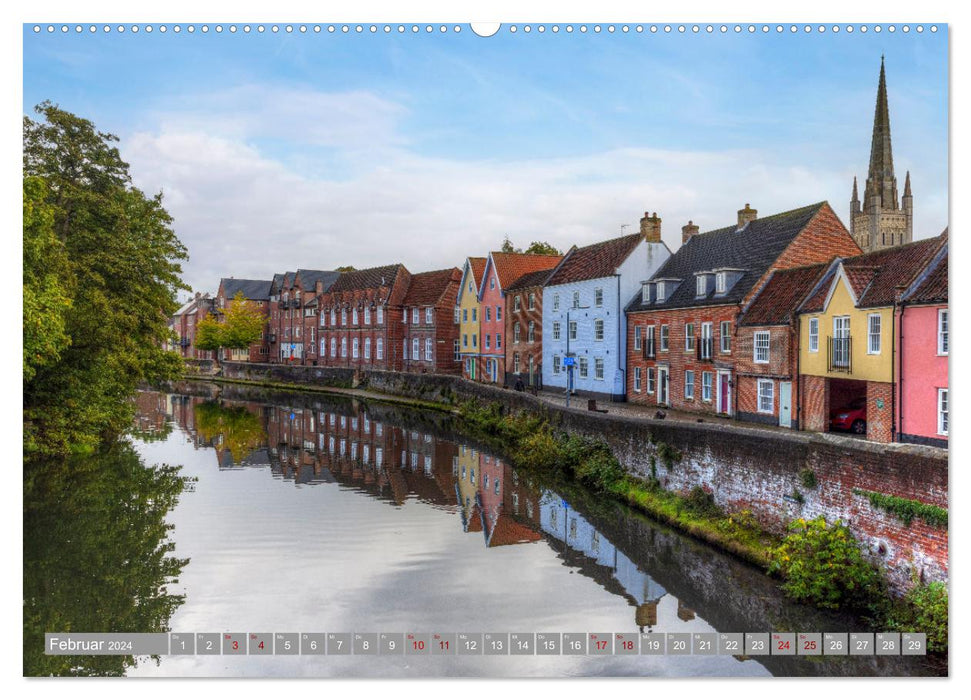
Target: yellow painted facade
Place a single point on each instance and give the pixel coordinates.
(469, 319)
(864, 365)
(468, 481)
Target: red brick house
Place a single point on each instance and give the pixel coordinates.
(428, 320)
(681, 327)
(184, 323)
(524, 329)
(298, 318)
(257, 292)
(766, 361)
(361, 319)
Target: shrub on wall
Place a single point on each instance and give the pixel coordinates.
(924, 609)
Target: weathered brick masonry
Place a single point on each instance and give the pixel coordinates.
(744, 468)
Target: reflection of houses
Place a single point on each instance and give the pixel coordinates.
(151, 412)
(500, 523)
(613, 569)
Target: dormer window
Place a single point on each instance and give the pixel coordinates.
(701, 286)
(646, 293)
(721, 283)
(661, 291)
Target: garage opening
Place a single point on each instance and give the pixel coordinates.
(847, 406)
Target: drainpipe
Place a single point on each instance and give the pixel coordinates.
(899, 420)
(621, 342)
(796, 376)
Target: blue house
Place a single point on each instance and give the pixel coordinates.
(584, 325)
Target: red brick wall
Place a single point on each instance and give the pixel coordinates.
(814, 400)
(443, 331)
(525, 348)
(879, 421)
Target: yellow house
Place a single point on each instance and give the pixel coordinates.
(467, 485)
(469, 316)
(847, 339)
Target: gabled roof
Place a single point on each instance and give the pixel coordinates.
(778, 300)
(308, 279)
(752, 250)
(477, 265)
(511, 266)
(256, 290)
(594, 261)
(371, 278)
(427, 288)
(277, 283)
(530, 279)
(882, 271)
(932, 289)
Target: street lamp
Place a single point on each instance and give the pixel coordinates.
(569, 361)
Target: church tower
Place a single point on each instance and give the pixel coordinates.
(881, 221)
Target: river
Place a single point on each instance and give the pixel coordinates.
(306, 513)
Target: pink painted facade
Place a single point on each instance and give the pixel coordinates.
(492, 339)
(922, 356)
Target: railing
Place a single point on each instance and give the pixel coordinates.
(650, 352)
(839, 354)
(706, 348)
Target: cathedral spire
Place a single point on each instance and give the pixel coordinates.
(880, 179)
(906, 185)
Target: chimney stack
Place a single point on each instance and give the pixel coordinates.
(651, 228)
(745, 215)
(688, 231)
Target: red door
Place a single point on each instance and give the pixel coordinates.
(723, 397)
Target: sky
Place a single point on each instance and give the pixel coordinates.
(278, 151)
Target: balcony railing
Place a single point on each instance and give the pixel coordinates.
(706, 348)
(650, 352)
(839, 354)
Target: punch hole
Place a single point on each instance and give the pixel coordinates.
(205, 29)
(191, 29)
(513, 29)
(905, 29)
(878, 29)
(891, 29)
(695, 29)
(219, 29)
(176, 29)
(681, 29)
(920, 28)
(836, 29)
(639, 29)
(849, 28)
(933, 28)
(36, 29)
(120, 30)
(583, 29)
(148, 28)
(80, 29)
(569, 29)
(751, 29)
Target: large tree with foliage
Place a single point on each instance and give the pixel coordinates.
(535, 248)
(239, 328)
(101, 270)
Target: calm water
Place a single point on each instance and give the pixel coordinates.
(311, 514)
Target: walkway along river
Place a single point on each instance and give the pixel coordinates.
(314, 513)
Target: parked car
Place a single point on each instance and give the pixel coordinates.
(851, 417)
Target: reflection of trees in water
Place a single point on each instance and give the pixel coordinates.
(241, 431)
(96, 554)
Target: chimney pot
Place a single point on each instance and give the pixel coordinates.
(746, 215)
(688, 231)
(651, 228)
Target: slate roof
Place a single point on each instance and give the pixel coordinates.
(530, 279)
(753, 250)
(778, 300)
(256, 290)
(882, 270)
(594, 261)
(309, 278)
(933, 288)
(511, 266)
(427, 288)
(277, 283)
(370, 278)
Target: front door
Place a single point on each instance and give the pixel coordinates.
(662, 386)
(724, 392)
(531, 370)
(785, 404)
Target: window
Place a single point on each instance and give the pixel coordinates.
(706, 386)
(333, 317)
(498, 341)
(456, 348)
(598, 329)
(495, 489)
(873, 334)
(343, 317)
(720, 282)
(650, 380)
(556, 330)
(637, 379)
(515, 362)
(343, 347)
(761, 347)
(380, 315)
(474, 314)
(367, 315)
(457, 315)
(333, 347)
(515, 333)
(649, 350)
(415, 349)
(766, 404)
(379, 349)
(323, 347)
(465, 315)
(942, 411)
(428, 349)
(556, 364)
(488, 341)
(465, 340)
(475, 340)
(404, 349)
(355, 346)
(531, 336)
(637, 337)
(664, 338)
(598, 297)
(725, 330)
(532, 301)
(488, 313)
(584, 367)
(814, 335)
(660, 292)
(556, 302)
(416, 315)
(498, 313)
(573, 330)
(516, 304)
(367, 348)
(701, 286)
(689, 337)
(492, 283)
(354, 317)
(576, 300)
(598, 368)
(942, 333)
(689, 384)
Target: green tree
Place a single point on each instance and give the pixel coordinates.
(346, 268)
(240, 327)
(508, 247)
(242, 430)
(119, 265)
(542, 248)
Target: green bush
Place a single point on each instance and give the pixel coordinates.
(808, 478)
(822, 564)
(924, 609)
(700, 502)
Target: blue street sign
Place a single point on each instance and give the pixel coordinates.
(569, 361)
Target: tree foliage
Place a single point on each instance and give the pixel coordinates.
(242, 431)
(240, 327)
(345, 268)
(535, 248)
(101, 270)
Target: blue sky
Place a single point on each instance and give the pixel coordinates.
(317, 150)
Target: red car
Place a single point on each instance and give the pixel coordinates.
(851, 417)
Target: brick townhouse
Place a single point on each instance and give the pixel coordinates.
(682, 324)
(524, 329)
(297, 325)
(361, 319)
(257, 292)
(428, 319)
(184, 324)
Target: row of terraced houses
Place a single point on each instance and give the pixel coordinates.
(788, 320)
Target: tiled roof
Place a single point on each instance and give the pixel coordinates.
(257, 290)
(478, 267)
(507, 531)
(933, 288)
(752, 250)
(309, 278)
(427, 288)
(511, 266)
(860, 277)
(370, 278)
(777, 302)
(594, 261)
(530, 279)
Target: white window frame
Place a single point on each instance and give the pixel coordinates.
(873, 339)
(598, 329)
(598, 296)
(572, 330)
(721, 282)
(770, 395)
(583, 367)
(689, 384)
(428, 350)
(689, 337)
(380, 315)
(576, 299)
(814, 334)
(598, 368)
(664, 342)
(943, 340)
(354, 317)
(367, 348)
(637, 379)
(943, 411)
(343, 317)
(516, 332)
(638, 343)
(660, 294)
(556, 364)
(333, 346)
(532, 301)
(355, 348)
(344, 347)
(650, 380)
(379, 349)
(757, 346)
(707, 383)
(415, 348)
(404, 348)
(531, 332)
(428, 315)
(488, 313)
(701, 286)
(516, 304)
(367, 315)
(556, 302)
(556, 330)
(725, 339)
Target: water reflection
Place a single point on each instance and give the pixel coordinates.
(506, 551)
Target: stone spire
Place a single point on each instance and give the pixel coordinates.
(906, 185)
(855, 199)
(881, 182)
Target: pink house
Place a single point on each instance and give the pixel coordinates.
(922, 355)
